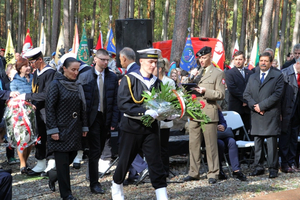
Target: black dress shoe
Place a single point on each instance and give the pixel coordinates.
(44, 174)
(222, 175)
(51, 185)
(70, 197)
(143, 175)
(189, 178)
(212, 180)
(129, 181)
(295, 168)
(33, 173)
(273, 174)
(23, 170)
(76, 165)
(257, 172)
(97, 189)
(239, 175)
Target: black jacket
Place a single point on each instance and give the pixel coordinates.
(65, 115)
(88, 80)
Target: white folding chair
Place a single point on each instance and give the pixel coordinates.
(234, 120)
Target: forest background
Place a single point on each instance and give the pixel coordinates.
(275, 20)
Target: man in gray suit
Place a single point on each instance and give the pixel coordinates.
(263, 94)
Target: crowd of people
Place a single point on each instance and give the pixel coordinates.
(78, 105)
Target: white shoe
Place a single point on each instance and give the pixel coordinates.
(103, 165)
(51, 165)
(78, 157)
(117, 191)
(40, 166)
(161, 193)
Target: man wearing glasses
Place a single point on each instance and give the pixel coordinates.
(100, 87)
(42, 77)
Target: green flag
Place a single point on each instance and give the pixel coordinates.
(83, 53)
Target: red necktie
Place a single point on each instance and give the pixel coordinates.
(298, 80)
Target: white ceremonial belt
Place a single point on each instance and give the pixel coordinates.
(133, 117)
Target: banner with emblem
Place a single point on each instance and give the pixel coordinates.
(219, 53)
(111, 45)
(188, 59)
(43, 39)
(60, 48)
(277, 56)
(83, 53)
(9, 50)
(75, 40)
(27, 45)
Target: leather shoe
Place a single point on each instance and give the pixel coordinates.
(97, 189)
(76, 165)
(239, 175)
(257, 172)
(273, 174)
(44, 174)
(212, 180)
(222, 175)
(143, 175)
(51, 185)
(286, 169)
(70, 197)
(33, 173)
(295, 168)
(189, 178)
(129, 181)
(23, 170)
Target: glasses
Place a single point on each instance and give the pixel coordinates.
(32, 62)
(102, 59)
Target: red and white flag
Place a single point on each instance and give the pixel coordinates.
(236, 48)
(219, 53)
(100, 42)
(75, 41)
(27, 45)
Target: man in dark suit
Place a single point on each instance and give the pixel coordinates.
(236, 81)
(288, 139)
(263, 93)
(100, 87)
(127, 59)
(296, 55)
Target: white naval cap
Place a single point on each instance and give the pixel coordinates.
(150, 53)
(63, 58)
(33, 54)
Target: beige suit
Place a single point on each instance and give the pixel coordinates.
(214, 82)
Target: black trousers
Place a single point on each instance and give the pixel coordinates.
(164, 145)
(96, 138)
(40, 149)
(5, 185)
(130, 145)
(63, 161)
(271, 151)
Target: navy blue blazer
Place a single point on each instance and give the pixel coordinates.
(134, 67)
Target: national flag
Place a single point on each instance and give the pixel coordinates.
(277, 54)
(254, 57)
(111, 45)
(100, 42)
(235, 49)
(188, 59)
(219, 53)
(43, 39)
(75, 45)
(60, 48)
(83, 53)
(9, 50)
(27, 43)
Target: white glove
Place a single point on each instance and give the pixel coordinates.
(152, 113)
(21, 96)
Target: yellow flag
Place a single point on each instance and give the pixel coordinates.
(60, 49)
(9, 50)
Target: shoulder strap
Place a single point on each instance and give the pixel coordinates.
(130, 90)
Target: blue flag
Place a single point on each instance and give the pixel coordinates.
(188, 60)
(111, 45)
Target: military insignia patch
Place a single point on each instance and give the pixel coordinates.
(223, 81)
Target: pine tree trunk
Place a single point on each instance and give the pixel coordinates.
(234, 24)
(93, 20)
(283, 28)
(7, 16)
(72, 21)
(193, 18)
(180, 29)
(131, 8)
(152, 16)
(66, 25)
(265, 25)
(55, 24)
(165, 18)
(288, 30)
(296, 26)
(275, 25)
(19, 46)
(215, 19)
(48, 25)
(41, 14)
(123, 9)
(243, 29)
(206, 15)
